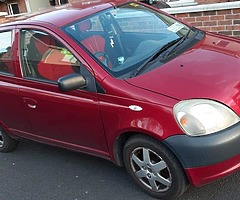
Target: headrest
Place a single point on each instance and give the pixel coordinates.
(85, 25)
(42, 42)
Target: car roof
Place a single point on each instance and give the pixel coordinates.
(62, 15)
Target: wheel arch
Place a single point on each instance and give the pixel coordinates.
(121, 141)
(124, 137)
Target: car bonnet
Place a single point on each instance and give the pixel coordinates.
(210, 70)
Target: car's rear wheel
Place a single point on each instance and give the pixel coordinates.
(154, 168)
(7, 143)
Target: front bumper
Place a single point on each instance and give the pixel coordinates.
(210, 157)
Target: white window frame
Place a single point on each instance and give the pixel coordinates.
(10, 9)
(59, 2)
(179, 3)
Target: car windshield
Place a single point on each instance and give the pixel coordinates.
(124, 38)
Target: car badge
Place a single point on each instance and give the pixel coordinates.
(135, 108)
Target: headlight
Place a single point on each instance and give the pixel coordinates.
(201, 117)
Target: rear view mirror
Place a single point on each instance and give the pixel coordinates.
(71, 82)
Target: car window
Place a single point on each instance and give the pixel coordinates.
(130, 21)
(6, 65)
(44, 58)
(132, 34)
(86, 28)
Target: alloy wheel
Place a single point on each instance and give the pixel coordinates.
(151, 170)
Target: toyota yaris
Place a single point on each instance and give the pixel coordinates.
(128, 83)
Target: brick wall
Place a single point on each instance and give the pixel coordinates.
(3, 8)
(21, 5)
(225, 21)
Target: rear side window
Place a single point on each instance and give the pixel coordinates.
(6, 65)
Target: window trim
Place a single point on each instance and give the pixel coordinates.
(10, 9)
(59, 2)
(8, 73)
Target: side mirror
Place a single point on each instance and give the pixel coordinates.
(71, 82)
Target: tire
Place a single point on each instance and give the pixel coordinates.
(154, 168)
(7, 143)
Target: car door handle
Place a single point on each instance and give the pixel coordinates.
(31, 103)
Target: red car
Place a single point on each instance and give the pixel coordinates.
(128, 83)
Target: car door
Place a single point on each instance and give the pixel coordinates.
(11, 114)
(70, 119)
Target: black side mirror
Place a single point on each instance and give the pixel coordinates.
(71, 82)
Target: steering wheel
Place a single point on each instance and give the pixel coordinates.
(102, 56)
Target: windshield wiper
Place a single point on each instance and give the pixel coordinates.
(182, 39)
(154, 56)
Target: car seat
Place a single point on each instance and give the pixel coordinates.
(51, 61)
(93, 42)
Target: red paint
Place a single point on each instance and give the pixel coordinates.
(203, 175)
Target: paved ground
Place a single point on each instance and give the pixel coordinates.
(39, 172)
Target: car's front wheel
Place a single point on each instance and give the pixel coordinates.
(154, 168)
(7, 143)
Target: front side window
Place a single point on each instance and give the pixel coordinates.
(6, 65)
(44, 58)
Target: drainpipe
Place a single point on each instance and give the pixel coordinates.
(28, 6)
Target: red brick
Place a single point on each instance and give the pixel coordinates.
(236, 33)
(236, 16)
(226, 32)
(218, 28)
(233, 27)
(210, 23)
(224, 12)
(196, 23)
(195, 14)
(190, 19)
(182, 15)
(225, 22)
(22, 6)
(236, 21)
(236, 10)
(204, 18)
(205, 28)
(210, 13)
(217, 17)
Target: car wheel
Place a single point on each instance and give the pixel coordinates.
(154, 168)
(7, 143)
